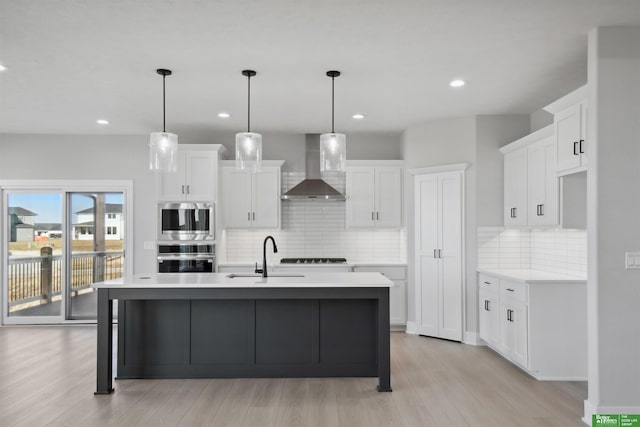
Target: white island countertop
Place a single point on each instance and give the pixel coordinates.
(225, 280)
(531, 276)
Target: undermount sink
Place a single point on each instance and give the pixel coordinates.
(234, 275)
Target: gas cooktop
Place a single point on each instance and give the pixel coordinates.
(313, 260)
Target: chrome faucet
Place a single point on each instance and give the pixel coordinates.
(264, 255)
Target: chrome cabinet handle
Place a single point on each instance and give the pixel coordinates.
(372, 217)
(542, 209)
(254, 216)
(575, 148)
(188, 191)
(510, 290)
(377, 215)
(248, 216)
(183, 189)
(580, 144)
(435, 251)
(439, 253)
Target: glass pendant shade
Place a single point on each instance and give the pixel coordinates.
(163, 152)
(248, 151)
(333, 152)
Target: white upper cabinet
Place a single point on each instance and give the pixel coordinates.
(531, 196)
(251, 199)
(570, 127)
(195, 179)
(542, 183)
(374, 195)
(515, 188)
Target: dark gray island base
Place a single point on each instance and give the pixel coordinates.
(222, 332)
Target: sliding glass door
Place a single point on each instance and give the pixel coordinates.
(35, 252)
(57, 244)
(96, 244)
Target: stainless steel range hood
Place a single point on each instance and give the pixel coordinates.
(313, 187)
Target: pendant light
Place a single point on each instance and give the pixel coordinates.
(163, 146)
(248, 144)
(333, 146)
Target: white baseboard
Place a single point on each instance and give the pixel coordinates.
(412, 328)
(472, 338)
(590, 409)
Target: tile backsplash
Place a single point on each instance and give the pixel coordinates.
(314, 228)
(561, 251)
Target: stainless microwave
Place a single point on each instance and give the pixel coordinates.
(186, 221)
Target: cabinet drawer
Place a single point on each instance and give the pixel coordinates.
(514, 290)
(392, 273)
(488, 282)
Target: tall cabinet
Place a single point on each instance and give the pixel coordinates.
(439, 279)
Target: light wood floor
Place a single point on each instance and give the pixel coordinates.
(47, 377)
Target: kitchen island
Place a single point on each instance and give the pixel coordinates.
(221, 325)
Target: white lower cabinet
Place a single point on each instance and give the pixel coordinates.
(397, 294)
(488, 317)
(513, 331)
(539, 326)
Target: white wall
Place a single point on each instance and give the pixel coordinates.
(291, 147)
(613, 209)
(86, 157)
(540, 119)
(435, 143)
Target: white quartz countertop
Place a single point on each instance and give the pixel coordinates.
(224, 280)
(531, 276)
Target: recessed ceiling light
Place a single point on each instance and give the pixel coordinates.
(457, 83)
(358, 116)
(2, 67)
(102, 122)
(224, 115)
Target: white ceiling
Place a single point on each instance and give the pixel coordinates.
(71, 62)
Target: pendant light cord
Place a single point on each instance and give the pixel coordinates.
(249, 103)
(164, 116)
(332, 103)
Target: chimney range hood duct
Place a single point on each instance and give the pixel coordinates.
(313, 187)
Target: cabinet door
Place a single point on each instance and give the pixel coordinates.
(520, 333)
(489, 317)
(584, 159)
(360, 205)
(266, 198)
(236, 198)
(388, 197)
(397, 306)
(543, 183)
(427, 263)
(515, 188)
(171, 187)
(200, 176)
(450, 256)
(507, 331)
(567, 129)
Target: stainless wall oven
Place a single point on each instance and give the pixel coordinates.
(186, 258)
(186, 221)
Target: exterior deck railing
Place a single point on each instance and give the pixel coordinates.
(40, 277)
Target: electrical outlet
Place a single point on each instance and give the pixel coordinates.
(632, 260)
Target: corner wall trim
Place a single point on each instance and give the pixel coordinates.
(411, 328)
(472, 338)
